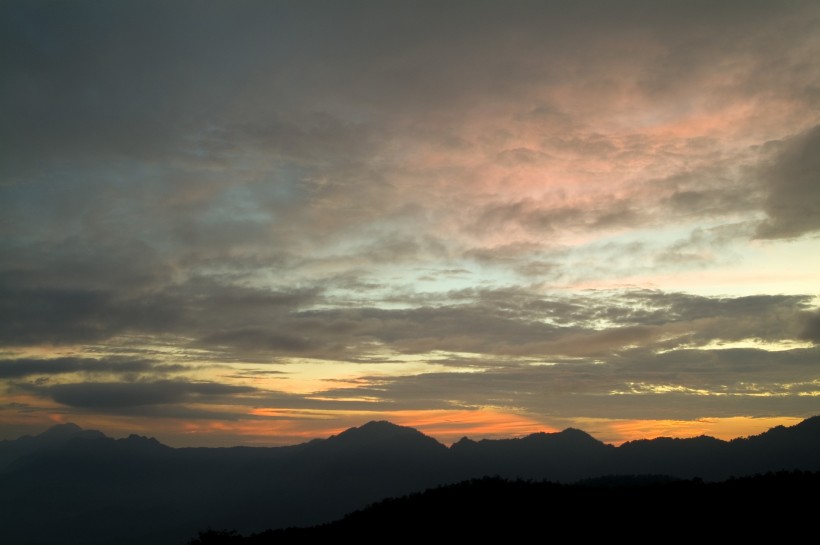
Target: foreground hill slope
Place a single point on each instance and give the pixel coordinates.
(775, 505)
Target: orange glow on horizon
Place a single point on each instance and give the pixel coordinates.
(450, 426)
(446, 426)
(618, 432)
(287, 426)
(278, 427)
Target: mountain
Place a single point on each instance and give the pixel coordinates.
(565, 456)
(53, 438)
(73, 486)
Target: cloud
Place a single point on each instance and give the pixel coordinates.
(124, 395)
(522, 323)
(26, 367)
(259, 339)
(811, 331)
(36, 314)
(681, 384)
(545, 218)
(359, 183)
(718, 188)
(792, 178)
(704, 247)
(233, 321)
(296, 154)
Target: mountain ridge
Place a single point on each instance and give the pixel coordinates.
(386, 428)
(175, 492)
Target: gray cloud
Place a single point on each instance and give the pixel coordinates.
(545, 218)
(718, 188)
(811, 331)
(792, 178)
(26, 367)
(228, 319)
(694, 382)
(314, 150)
(81, 64)
(259, 339)
(517, 322)
(201, 400)
(35, 314)
(123, 395)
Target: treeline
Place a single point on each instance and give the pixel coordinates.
(779, 505)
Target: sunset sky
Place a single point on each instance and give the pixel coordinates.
(262, 222)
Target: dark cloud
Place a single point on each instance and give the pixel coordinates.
(118, 79)
(51, 315)
(76, 76)
(811, 330)
(453, 328)
(200, 400)
(519, 322)
(258, 339)
(229, 318)
(123, 395)
(792, 178)
(33, 315)
(662, 307)
(25, 367)
(630, 386)
(712, 192)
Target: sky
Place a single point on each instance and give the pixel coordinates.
(258, 223)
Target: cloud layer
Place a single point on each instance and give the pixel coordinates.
(542, 209)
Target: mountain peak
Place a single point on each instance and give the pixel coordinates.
(567, 436)
(464, 442)
(61, 433)
(61, 430)
(383, 425)
(381, 432)
(381, 429)
(575, 432)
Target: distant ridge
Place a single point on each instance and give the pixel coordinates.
(167, 494)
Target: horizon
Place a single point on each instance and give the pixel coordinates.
(448, 443)
(231, 223)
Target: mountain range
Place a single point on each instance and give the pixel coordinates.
(71, 486)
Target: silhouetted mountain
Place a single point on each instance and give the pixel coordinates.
(565, 456)
(382, 434)
(53, 438)
(780, 448)
(96, 490)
